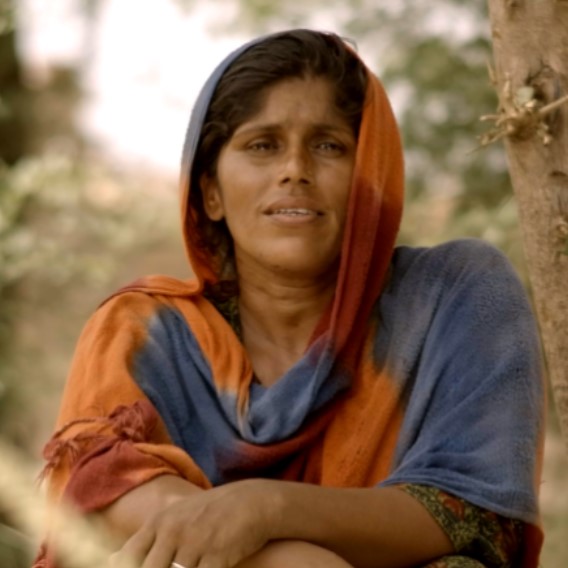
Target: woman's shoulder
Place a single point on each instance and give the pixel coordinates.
(451, 256)
(145, 297)
(466, 272)
(156, 286)
(463, 263)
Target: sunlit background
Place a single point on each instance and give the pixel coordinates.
(95, 97)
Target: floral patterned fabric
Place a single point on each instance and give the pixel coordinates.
(481, 538)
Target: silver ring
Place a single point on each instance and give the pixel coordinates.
(176, 565)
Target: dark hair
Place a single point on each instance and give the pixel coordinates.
(239, 95)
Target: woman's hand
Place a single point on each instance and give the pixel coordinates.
(217, 528)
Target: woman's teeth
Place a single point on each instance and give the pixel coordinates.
(294, 212)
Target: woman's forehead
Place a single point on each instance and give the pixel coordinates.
(309, 100)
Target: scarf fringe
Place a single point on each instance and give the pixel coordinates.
(125, 422)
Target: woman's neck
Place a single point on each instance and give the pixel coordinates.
(278, 317)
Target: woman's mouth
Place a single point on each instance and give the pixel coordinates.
(294, 208)
(295, 212)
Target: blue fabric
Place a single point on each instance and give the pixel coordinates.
(455, 333)
(458, 333)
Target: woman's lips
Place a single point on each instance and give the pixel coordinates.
(295, 212)
(296, 207)
(298, 217)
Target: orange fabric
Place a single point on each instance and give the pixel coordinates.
(118, 327)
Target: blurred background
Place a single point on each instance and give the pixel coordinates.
(95, 96)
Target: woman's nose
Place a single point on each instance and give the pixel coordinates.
(297, 167)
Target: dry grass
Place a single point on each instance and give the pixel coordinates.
(28, 509)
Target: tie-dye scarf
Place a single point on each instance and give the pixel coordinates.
(424, 370)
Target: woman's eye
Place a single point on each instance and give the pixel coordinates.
(330, 146)
(261, 146)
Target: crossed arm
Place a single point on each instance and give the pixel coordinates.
(261, 523)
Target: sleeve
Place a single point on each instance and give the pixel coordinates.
(110, 438)
(479, 537)
(474, 417)
(473, 388)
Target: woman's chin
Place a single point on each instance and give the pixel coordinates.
(301, 265)
(298, 258)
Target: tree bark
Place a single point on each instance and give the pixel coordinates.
(530, 43)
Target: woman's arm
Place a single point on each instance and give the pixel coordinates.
(129, 513)
(372, 527)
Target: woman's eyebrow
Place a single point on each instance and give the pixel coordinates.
(260, 127)
(274, 127)
(331, 127)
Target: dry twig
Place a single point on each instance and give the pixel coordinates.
(521, 115)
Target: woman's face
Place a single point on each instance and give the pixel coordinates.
(283, 181)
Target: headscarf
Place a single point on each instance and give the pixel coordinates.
(425, 369)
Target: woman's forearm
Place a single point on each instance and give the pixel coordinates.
(374, 527)
(128, 515)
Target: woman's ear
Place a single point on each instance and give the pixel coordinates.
(212, 202)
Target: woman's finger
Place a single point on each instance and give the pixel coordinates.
(186, 556)
(177, 564)
(214, 561)
(162, 552)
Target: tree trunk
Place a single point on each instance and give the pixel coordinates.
(530, 42)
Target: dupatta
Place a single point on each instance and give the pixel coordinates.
(425, 369)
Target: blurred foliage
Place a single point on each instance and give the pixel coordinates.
(11, 148)
(51, 204)
(14, 547)
(13, 123)
(61, 212)
(60, 220)
(66, 222)
(6, 16)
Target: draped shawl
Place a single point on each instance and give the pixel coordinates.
(425, 368)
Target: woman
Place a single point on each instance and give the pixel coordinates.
(314, 396)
